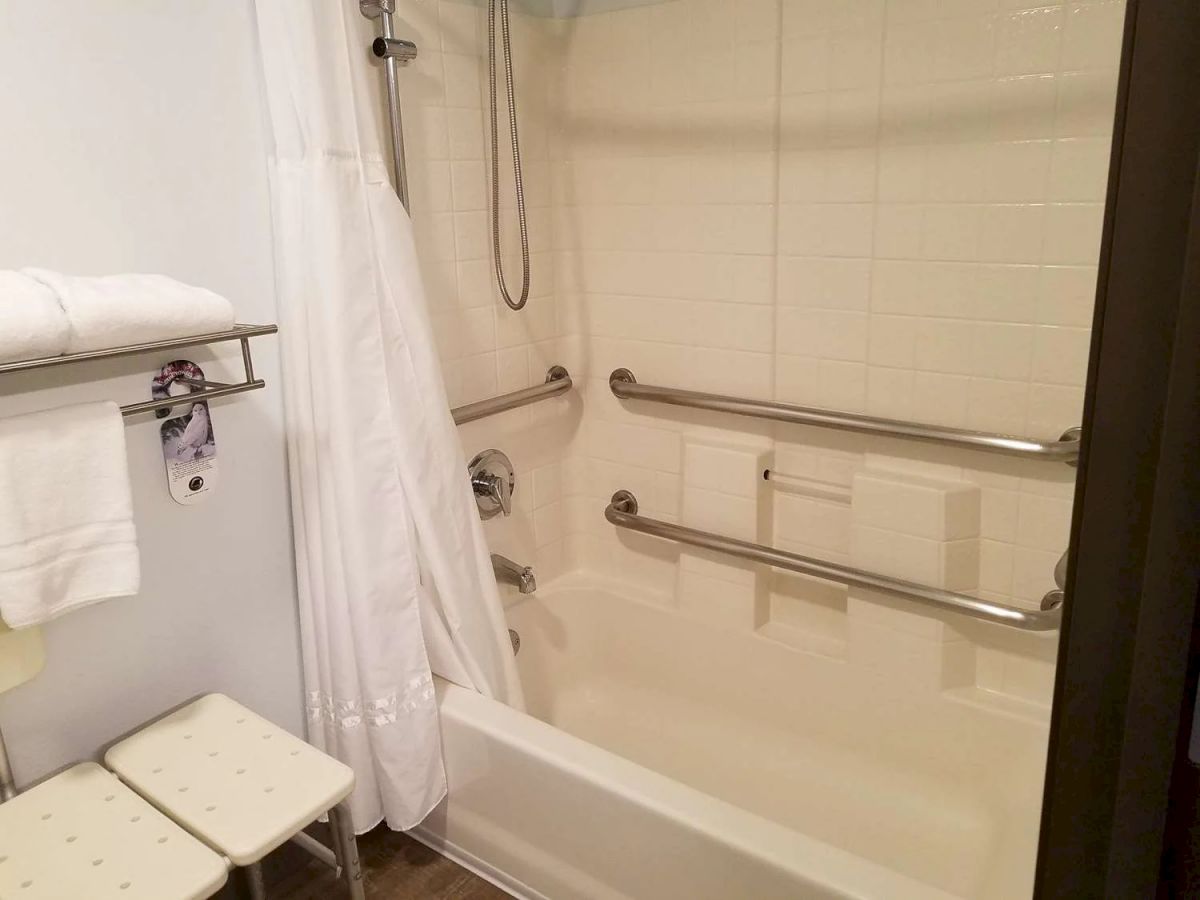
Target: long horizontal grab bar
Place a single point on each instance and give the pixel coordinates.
(622, 511)
(1065, 449)
(558, 381)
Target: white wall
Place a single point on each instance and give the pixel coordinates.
(882, 206)
(134, 141)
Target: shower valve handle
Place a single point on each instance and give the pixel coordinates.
(494, 488)
(493, 482)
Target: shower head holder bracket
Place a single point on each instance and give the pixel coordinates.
(373, 9)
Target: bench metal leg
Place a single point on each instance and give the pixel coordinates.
(8, 786)
(346, 848)
(254, 881)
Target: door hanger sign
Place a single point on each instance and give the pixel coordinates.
(189, 446)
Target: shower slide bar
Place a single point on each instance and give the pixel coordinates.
(558, 381)
(207, 390)
(1065, 449)
(622, 511)
(394, 53)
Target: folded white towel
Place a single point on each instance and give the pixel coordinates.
(67, 537)
(32, 324)
(117, 310)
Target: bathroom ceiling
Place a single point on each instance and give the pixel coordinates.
(567, 9)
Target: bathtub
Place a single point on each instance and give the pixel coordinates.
(663, 758)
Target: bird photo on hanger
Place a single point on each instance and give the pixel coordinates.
(187, 432)
(197, 433)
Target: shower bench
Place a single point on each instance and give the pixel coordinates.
(210, 775)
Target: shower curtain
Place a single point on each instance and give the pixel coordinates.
(394, 576)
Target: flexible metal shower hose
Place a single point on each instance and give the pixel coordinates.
(506, 39)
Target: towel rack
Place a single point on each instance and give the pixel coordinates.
(1065, 449)
(558, 381)
(206, 390)
(622, 511)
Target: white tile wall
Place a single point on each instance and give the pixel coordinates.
(881, 205)
(724, 491)
(923, 507)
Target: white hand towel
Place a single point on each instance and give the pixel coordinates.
(67, 537)
(117, 310)
(32, 324)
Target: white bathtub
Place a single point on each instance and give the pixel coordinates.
(664, 758)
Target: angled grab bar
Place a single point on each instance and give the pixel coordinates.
(558, 381)
(622, 511)
(1065, 449)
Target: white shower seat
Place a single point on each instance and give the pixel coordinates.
(83, 833)
(238, 782)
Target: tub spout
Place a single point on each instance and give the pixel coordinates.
(509, 572)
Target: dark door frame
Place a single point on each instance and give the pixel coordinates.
(1133, 576)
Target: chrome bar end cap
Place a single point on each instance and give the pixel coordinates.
(624, 501)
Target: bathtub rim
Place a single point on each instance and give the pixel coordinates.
(825, 866)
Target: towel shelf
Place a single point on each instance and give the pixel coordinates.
(622, 511)
(1065, 449)
(204, 390)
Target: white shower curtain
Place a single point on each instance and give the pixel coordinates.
(393, 571)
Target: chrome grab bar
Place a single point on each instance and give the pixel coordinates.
(558, 381)
(622, 511)
(1065, 449)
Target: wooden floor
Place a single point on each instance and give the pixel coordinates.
(397, 868)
